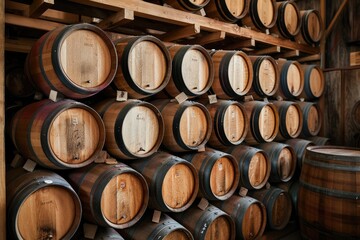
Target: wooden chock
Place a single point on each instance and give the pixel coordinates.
(243, 192)
(17, 161)
(181, 98)
(156, 216)
(121, 96)
(212, 98)
(55, 96)
(203, 204)
(29, 165)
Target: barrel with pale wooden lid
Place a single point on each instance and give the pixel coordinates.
(173, 181)
(76, 60)
(186, 5)
(248, 213)
(288, 22)
(233, 74)
(113, 195)
(218, 173)
(291, 79)
(262, 15)
(314, 82)
(312, 119)
(56, 134)
(144, 66)
(192, 71)
(187, 125)
(134, 128)
(228, 11)
(41, 205)
(312, 27)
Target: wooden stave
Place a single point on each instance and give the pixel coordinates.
(219, 10)
(283, 90)
(305, 108)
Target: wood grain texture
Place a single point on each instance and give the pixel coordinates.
(227, 10)
(267, 76)
(193, 126)
(222, 176)
(291, 18)
(2, 124)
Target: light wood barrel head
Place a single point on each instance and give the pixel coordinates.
(316, 82)
(294, 80)
(48, 212)
(291, 18)
(258, 169)
(219, 229)
(122, 198)
(286, 163)
(238, 72)
(235, 7)
(140, 130)
(280, 210)
(85, 58)
(314, 27)
(193, 126)
(147, 65)
(265, 9)
(177, 234)
(267, 123)
(74, 135)
(267, 76)
(337, 151)
(178, 186)
(313, 120)
(293, 120)
(222, 176)
(253, 221)
(234, 123)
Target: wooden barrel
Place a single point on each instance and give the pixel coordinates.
(319, 141)
(355, 115)
(233, 74)
(41, 205)
(57, 134)
(312, 27)
(144, 66)
(134, 128)
(187, 5)
(288, 22)
(292, 187)
(299, 146)
(107, 234)
(166, 229)
(283, 161)
(291, 120)
(218, 173)
(254, 166)
(230, 124)
(264, 122)
(17, 84)
(314, 82)
(291, 79)
(76, 60)
(228, 11)
(312, 119)
(173, 181)
(329, 195)
(192, 71)
(278, 206)
(187, 125)
(266, 77)
(262, 15)
(210, 223)
(112, 195)
(248, 214)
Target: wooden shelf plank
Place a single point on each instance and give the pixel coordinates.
(2, 124)
(269, 50)
(209, 38)
(19, 45)
(118, 19)
(38, 7)
(30, 22)
(183, 32)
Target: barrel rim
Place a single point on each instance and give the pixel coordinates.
(324, 155)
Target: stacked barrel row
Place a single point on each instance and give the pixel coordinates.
(163, 145)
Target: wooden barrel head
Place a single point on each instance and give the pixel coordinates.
(122, 198)
(140, 130)
(219, 229)
(316, 82)
(293, 120)
(177, 234)
(267, 123)
(238, 72)
(265, 11)
(314, 26)
(234, 123)
(267, 76)
(49, 211)
(85, 58)
(351, 152)
(280, 210)
(313, 120)
(236, 8)
(178, 186)
(291, 18)
(258, 169)
(74, 135)
(287, 163)
(253, 221)
(222, 176)
(294, 80)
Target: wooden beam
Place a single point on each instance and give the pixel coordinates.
(38, 7)
(209, 38)
(2, 124)
(336, 17)
(269, 50)
(180, 33)
(19, 45)
(248, 43)
(116, 20)
(310, 58)
(30, 22)
(323, 39)
(289, 54)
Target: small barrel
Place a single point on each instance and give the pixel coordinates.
(263, 120)
(207, 224)
(187, 125)
(192, 71)
(233, 74)
(291, 79)
(173, 181)
(355, 115)
(218, 173)
(314, 82)
(112, 195)
(283, 161)
(144, 66)
(299, 146)
(41, 205)
(262, 15)
(266, 77)
(329, 194)
(312, 119)
(248, 214)
(319, 141)
(288, 22)
(278, 206)
(17, 84)
(134, 128)
(312, 27)
(57, 134)
(254, 166)
(228, 11)
(76, 60)
(291, 120)
(230, 124)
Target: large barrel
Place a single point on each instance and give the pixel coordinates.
(329, 195)
(112, 195)
(57, 134)
(173, 181)
(144, 66)
(312, 27)
(262, 15)
(314, 82)
(254, 166)
(291, 79)
(192, 71)
(187, 125)
(229, 11)
(218, 173)
(17, 84)
(76, 60)
(288, 22)
(312, 119)
(278, 206)
(263, 120)
(233, 74)
(207, 224)
(299, 146)
(41, 205)
(248, 214)
(283, 161)
(134, 128)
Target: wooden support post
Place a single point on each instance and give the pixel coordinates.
(120, 18)
(180, 33)
(38, 7)
(2, 124)
(336, 17)
(209, 38)
(269, 50)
